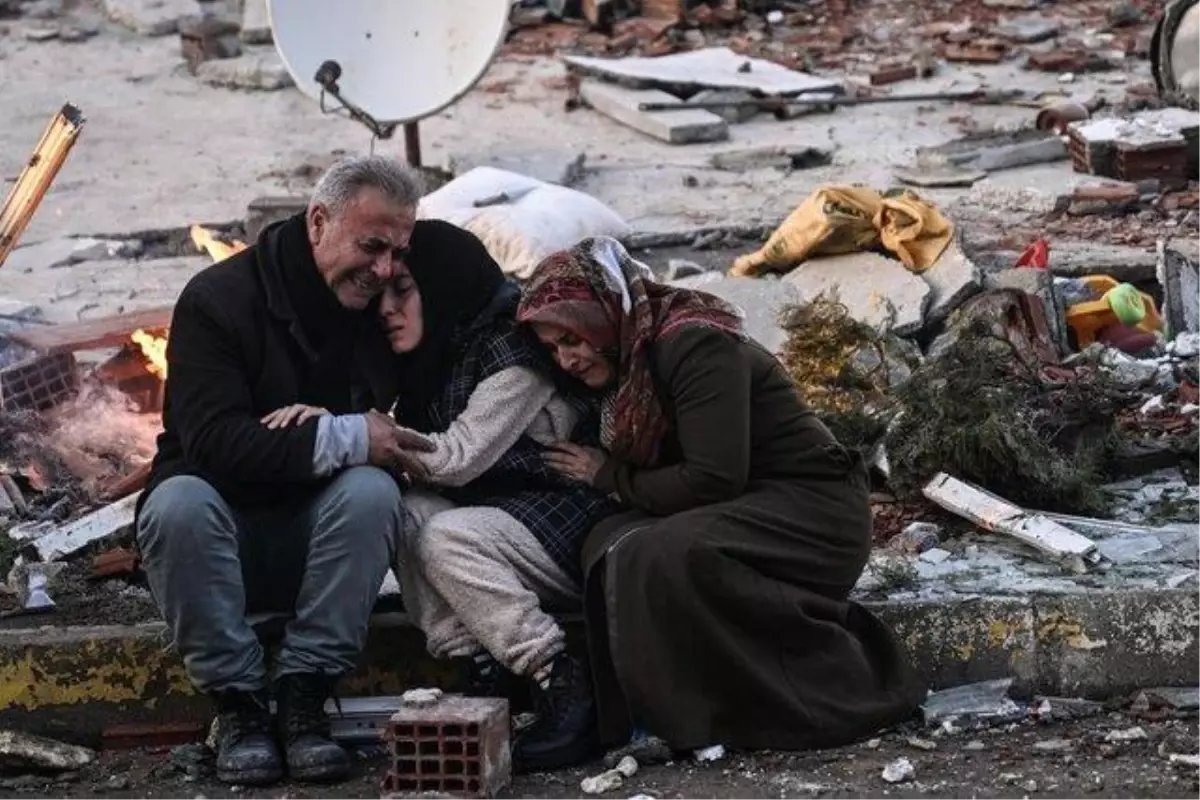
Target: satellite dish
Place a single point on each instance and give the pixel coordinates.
(1173, 54)
(395, 61)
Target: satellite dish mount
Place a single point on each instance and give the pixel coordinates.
(327, 78)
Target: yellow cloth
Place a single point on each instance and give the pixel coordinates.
(847, 219)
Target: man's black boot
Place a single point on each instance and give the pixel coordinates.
(312, 755)
(565, 731)
(246, 749)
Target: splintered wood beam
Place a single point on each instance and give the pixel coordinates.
(37, 176)
(92, 334)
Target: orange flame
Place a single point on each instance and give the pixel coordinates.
(204, 239)
(155, 350)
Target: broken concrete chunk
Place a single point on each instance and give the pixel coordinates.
(741, 106)
(25, 752)
(41, 33)
(761, 300)
(150, 17)
(952, 278)
(674, 127)
(899, 771)
(253, 72)
(74, 536)
(256, 23)
(997, 515)
(994, 152)
(1179, 277)
(547, 164)
(777, 157)
(934, 176)
(713, 68)
(1027, 29)
(876, 290)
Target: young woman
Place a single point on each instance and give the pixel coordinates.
(717, 609)
(500, 542)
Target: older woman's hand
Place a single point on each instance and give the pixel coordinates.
(575, 461)
(292, 415)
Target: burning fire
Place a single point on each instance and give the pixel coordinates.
(155, 350)
(155, 347)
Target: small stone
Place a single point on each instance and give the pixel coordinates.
(1053, 745)
(1066, 77)
(917, 537)
(42, 33)
(608, 781)
(873, 744)
(708, 755)
(1134, 734)
(921, 744)
(1030, 786)
(774, 17)
(117, 783)
(682, 268)
(975, 746)
(899, 771)
(935, 556)
(628, 767)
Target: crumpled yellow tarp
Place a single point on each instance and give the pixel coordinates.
(847, 219)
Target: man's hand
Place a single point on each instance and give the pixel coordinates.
(292, 415)
(575, 461)
(390, 446)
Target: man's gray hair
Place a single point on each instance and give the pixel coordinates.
(345, 179)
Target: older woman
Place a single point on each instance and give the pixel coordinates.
(717, 609)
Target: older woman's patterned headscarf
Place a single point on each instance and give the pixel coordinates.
(601, 294)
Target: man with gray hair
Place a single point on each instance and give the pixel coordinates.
(242, 515)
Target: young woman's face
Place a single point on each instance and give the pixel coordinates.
(575, 356)
(400, 312)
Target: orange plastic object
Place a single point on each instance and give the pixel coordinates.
(1089, 317)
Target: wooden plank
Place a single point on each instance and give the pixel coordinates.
(675, 127)
(1000, 516)
(74, 536)
(92, 334)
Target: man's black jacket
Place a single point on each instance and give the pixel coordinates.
(253, 333)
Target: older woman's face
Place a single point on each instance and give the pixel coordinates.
(401, 314)
(575, 356)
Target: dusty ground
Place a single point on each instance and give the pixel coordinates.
(1000, 762)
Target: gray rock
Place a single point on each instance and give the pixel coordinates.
(953, 278)
(549, 165)
(150, 17)
(41, 33)
(256, 24)
(1186, 346)
(1179, 277)
(1027, 29)
(1129, 372)
(682, 268)
(876, 290)
(733, 114)
(25, 751)
(935, 555)
(252, 72)
(760, 299)
(62, 252)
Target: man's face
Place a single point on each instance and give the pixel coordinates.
(359, 250)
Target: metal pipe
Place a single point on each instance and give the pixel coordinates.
(412, 144)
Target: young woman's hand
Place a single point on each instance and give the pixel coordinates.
(575, 461)
(292, 415)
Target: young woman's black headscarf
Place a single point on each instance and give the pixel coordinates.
(462, 289)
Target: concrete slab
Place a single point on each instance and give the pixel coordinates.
(150, 17)
(252, 71)
(711, 68)
(60, 253)
(1179, 277)
(761, 299)
(674, 127)
(876, 290)
(256, 23)
(562, 166)
(952, 278)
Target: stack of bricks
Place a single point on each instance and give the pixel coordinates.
(39, 382)
(458, 746)
(1158, 144)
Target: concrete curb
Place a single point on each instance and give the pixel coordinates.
(72, 683)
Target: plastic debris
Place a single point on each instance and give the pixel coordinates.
(986, 700)
(608, 781)
(708, 755)
(899, 771)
